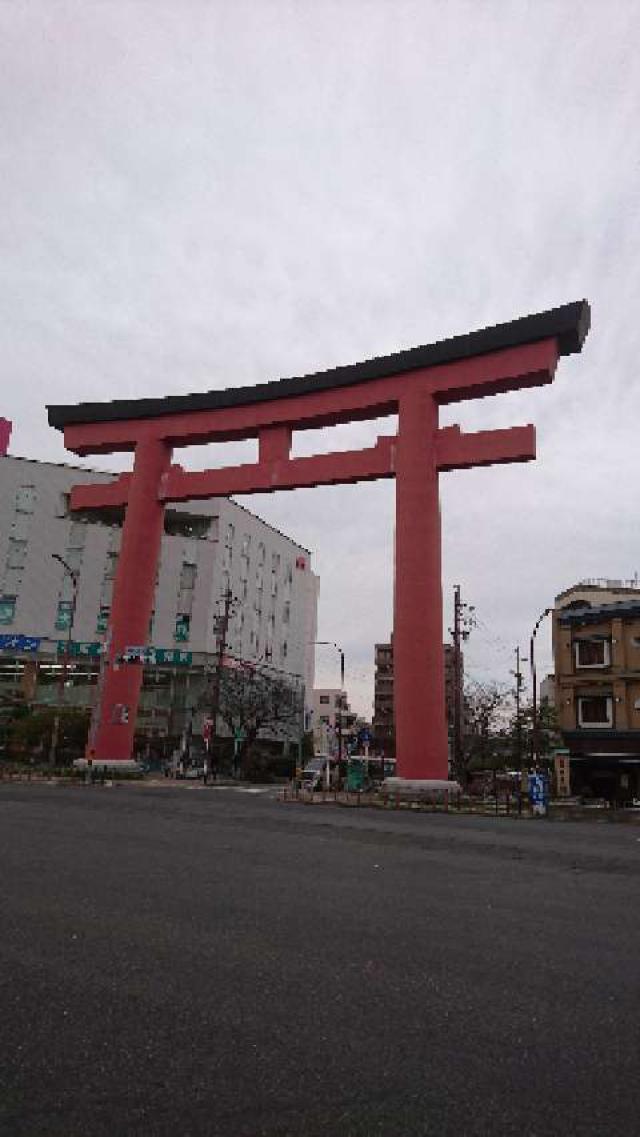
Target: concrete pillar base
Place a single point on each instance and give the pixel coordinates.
(113, 765)
(421, 787)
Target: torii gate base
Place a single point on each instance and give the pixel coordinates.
(411, 384)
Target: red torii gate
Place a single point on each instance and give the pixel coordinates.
(411, 384)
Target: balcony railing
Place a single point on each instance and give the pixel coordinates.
(603, 582)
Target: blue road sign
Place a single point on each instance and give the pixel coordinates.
(19, 643)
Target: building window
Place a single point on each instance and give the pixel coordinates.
(17, 554)
(106, 591)
(183, 622)
(284, 650)
(595, 710)
(73, 558)
(64, 615)
(7, 609)
(245, 552)
(592, 653)
(324, 719)
(188, 525)
(20, 527)
(228, 546)
(286, 612)
(188, 574)
(77, 535)
(103, 618)
(110, 566)
(324, 699)
(25, 499)
(261, 553)
(62, 508)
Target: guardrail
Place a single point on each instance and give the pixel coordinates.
(507, 805)
(431, 802)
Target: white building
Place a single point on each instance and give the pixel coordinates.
(208, 547)
(331, 715)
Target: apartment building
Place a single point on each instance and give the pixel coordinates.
(208, 548)
(383, 715)
(331, 716)
(596, 646)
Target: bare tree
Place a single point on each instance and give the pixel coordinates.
(486, 718)
(256, 702)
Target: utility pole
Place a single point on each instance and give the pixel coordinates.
(222, 629)
(340, 710)
(519, 684)
(457, 683)
(463, 622)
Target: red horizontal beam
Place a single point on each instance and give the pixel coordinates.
(338, 468)
(101, 495)
(454, 451)
(490, 374)
(257, 477)
(458, 451)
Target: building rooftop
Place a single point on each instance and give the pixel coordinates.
(601, 584)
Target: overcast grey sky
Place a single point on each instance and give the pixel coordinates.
(201, 195)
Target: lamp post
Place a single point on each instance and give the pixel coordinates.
(330, 643)
(534, 687)
(72, 573)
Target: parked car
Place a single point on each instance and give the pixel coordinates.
(318, 771)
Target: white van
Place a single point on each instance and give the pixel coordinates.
(319, 773)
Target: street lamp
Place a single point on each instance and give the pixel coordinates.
(72, 573)
(330, 643)
(534, 687)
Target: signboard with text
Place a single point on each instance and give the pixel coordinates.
(19, 643)
(91, 649)
(155, 655)
(562, 771)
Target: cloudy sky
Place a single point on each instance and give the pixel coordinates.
(199, 195)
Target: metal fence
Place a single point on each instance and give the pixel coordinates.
(500, 805)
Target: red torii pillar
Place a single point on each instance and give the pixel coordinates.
(412, 384)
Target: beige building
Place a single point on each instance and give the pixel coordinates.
(596, 645)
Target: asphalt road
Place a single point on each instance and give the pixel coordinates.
(206, 962)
